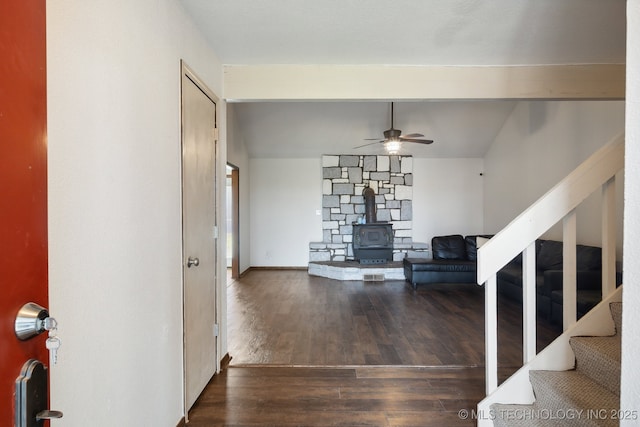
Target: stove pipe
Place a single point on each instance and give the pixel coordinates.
(369, 205)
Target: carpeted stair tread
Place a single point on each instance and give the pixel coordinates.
(586, 396)
(571, 390)
(599, 359)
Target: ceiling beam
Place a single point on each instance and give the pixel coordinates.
(381, 82)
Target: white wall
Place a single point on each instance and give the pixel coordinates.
(238, 156)
(115, 206)
(630, 387)
(285, 195)
(447, 197)
(539, 144)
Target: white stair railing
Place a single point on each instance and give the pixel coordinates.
(559, 203)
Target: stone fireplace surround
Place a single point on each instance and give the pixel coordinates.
(344, 179)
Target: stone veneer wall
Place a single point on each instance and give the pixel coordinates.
(344, 179)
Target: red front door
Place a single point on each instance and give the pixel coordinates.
(23, 185)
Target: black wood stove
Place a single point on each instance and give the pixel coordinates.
(373, 243)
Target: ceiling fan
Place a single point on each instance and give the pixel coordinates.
(393, 138)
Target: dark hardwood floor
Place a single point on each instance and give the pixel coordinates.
(311, 351)
(365, 396)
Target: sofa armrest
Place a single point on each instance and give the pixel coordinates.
(587, 280)
(590, 280)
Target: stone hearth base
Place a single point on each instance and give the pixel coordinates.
(320, 252)
(353, 270)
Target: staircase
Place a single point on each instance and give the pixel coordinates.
(574, 373)
(588, 395)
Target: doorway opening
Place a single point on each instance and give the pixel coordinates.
(233, 220)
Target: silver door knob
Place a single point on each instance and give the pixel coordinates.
(193, 262)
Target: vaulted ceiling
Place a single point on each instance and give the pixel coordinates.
(399, 32)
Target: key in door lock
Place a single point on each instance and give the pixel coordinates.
(31, 320)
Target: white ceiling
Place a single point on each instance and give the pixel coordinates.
(421, 32)
(307, 130)
(399, 32)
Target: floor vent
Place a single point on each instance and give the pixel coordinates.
(373, 277)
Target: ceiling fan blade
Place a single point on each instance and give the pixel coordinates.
(366, 145)
(420, 141)
(393, 135)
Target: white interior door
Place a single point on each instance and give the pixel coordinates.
(198, 234)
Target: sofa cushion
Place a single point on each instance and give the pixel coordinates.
(517, 260)
(550, 256)
(588, 258)
(513, 275)
(471, 247)
(510, 285)
(449, 247)
(585, 299)
(421, 264)
(471, 243)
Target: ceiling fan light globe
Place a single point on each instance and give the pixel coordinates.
(392, 146)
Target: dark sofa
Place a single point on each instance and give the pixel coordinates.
(549, 266)
(454, 261)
